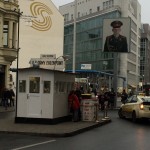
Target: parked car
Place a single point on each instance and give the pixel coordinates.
(135, 107)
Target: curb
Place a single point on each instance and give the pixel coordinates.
(69, 134)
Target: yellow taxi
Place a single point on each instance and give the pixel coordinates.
(135, 107)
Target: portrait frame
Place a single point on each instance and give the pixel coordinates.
(125, 32)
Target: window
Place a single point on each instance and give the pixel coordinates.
(66, 17)
(90, 11)
(5, 33)
(34, 84)
(46, 86)
(78, 14)
(71, 16)
(22, 86)
(98, 8)
(13, 35)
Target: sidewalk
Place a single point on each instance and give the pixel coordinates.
(65, 129)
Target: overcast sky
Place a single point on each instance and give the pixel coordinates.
(145, 6)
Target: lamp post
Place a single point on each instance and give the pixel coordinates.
(65, 57)
(18, 48)
(105, 63)
(74, 37)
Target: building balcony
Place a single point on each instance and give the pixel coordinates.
(9, 54)
(6, 5)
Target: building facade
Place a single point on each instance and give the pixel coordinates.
(145, 54)
(41, 28)
(8, 39)
(89, 37)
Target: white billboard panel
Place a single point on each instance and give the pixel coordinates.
(86, 66)
(41, 30)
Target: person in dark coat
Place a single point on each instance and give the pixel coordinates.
(112, 95)
(12, 97)
(116, 42)
(6, 97)
(101, 100)
(124, 96)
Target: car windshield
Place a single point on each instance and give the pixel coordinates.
(146, 99)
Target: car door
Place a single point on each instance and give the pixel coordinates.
(128, 107)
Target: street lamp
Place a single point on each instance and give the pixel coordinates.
(65, 57)
(74, 37)
(18, 48)
(105, 63)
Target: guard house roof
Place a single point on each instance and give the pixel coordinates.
(43, 69)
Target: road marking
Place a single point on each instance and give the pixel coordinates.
(28, 146)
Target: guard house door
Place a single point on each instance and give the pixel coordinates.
(34, 97)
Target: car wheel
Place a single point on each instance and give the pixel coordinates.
(120, 113)
(134, 119)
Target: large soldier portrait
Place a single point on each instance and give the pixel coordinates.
(116, 42)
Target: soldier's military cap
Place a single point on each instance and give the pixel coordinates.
(116, 24)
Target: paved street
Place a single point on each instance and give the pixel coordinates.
(119, 135)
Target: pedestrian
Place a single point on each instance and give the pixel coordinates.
(5, 98)
(12, 97)
(106, 99)
(112, 95)
(74, 106)
(124, 96)
(101, 100)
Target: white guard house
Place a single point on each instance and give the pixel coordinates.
(43, 95)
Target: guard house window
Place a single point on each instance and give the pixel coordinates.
(22, 86)
(5, 33)
(34, 84)
(46, 87)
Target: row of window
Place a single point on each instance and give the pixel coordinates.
(107, 4)
(34, 86)
(131, 66)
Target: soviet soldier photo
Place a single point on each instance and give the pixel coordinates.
(116, 42)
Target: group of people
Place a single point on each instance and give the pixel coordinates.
(8, 98)
(106, 99)
(109, 97)
(106, 96)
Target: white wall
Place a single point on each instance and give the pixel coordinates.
(34, 42)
